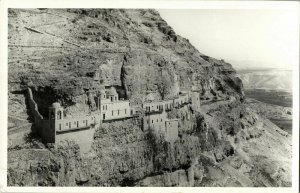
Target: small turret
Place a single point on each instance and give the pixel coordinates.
(112, 94)
(56, 111)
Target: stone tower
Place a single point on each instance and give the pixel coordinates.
(56, 113)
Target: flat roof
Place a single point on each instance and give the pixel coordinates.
(122, 101)
(169, 120)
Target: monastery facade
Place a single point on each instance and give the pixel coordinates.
(110, 108)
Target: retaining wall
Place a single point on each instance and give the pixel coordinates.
(83, 137)
(171, 129)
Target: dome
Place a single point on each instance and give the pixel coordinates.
(150, 97)
(102, 92)
(112, 91)
(56, 105)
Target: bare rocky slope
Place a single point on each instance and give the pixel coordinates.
(64, 54)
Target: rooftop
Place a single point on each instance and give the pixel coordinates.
(112, 91)
(56, 105)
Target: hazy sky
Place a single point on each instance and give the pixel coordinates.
(266, 38)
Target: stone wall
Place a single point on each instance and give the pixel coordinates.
(84, 138)
(155, 121)
(171, 129)
(45, 128)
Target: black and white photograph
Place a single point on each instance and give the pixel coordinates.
(151, 97)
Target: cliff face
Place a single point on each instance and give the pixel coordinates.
(64, 54)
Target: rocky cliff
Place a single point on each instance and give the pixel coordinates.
(66, 54)
(63, 54)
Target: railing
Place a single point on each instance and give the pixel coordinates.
(159, 111)
(116, 119)
(73, 130)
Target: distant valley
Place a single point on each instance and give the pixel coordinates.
(267, 79)
(269, 91)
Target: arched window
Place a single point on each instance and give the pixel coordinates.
(59, 114)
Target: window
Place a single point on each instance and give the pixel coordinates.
(148, 121)
(103, 107)
(156, 106)
(112, 113)
(66, 124)
(156, 120)
(160, 120)
(125, 111)
(152, 121)
(52, 115)
(59, 126)
(115, 98)
(59, 115)
(118, 112)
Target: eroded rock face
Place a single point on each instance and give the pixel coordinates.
(63, 55)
